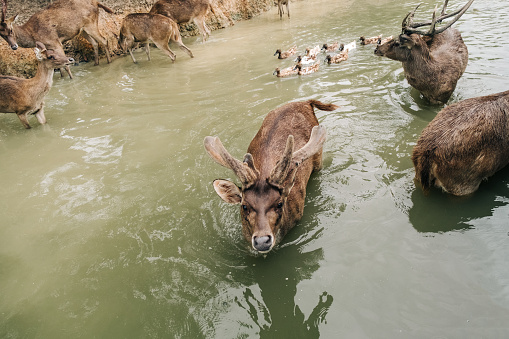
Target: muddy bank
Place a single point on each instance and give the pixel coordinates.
(22, 62)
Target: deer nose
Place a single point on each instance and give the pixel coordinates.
(262, 244)
(14, 47)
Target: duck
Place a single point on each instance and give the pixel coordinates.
(330, 48)
(306, 70)
(312, 52)
(372, 40)
(305, 59)
(336, 59)
(286, 54)
(348, 47)
(384, 40)
(281, 73)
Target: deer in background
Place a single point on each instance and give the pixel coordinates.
(26, 96)
(433, 60)
(274, 172)
(464, 144)
(142, 27)
(184, 11)
(280, 4)
(59, 22)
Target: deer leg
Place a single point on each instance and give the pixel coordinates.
(166, 49)
(24, 120)
(94, 45)
(132, 56)
(288, 7)
(39, 114)
(178, 40)
(93, 36)
(202, 27)
(147, 49)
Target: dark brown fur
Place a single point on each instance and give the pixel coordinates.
(269, 211)
(465, 143)
(183, 11)
(26, 96)
(56, 24)
(432, 65)
(142, 27)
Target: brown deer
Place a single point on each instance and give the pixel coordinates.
(280, 4)
(184, 11)
(26, 96)
(59, 22)
(142, 27)
(273, 175)
(433, 61)
(464, 144)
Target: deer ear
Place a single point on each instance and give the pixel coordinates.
(406, 41)
(228, 191)
(10, 21)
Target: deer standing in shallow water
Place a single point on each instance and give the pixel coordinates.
(184, 11)
(142, 27)
(464, 144)
(274, 172)
(59, 22)
(433, 61)
(26, 96)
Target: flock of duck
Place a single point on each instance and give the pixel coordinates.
(309, 63)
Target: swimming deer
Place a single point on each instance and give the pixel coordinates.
(59, 22)
(274, 172)
(433, 60)
(464, 144)
(184, 11)
(26, 96)
(142, 27)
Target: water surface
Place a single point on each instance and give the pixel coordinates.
(110, 226)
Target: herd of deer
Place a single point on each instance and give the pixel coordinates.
(464, 144)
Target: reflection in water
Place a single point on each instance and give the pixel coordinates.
(456, 213)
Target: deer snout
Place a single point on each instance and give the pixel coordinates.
(14, 47)
(263, 244)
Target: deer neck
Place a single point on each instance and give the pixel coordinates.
(23, 37)
(41, 83)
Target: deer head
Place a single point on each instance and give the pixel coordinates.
(262, 199)
(6, 27)
(412, 38)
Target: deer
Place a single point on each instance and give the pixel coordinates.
(280, 10)
(433, 60)
(59, 22)
(142, 27)
(26, 96)
(184, 11)
(464, 144)
(274, 172)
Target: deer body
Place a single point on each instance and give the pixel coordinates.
(433, 61)
(273, 175)
(183, 11)
(433, 66)
(59, 22)
(26, 96)
(142, 27)
(464, 144)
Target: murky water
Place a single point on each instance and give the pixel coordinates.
(110, 227)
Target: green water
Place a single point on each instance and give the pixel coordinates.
(110, 227)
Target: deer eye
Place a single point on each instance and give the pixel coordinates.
(244, 207)
(51, 57)
(280, 204)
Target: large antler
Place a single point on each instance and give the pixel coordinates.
(285, 169)
(409, 27)
(246, 170)
(4, 10)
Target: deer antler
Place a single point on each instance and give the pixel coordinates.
(4, 10)
(287, 166)
(409, 27)
(246, 170)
